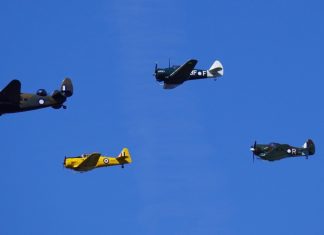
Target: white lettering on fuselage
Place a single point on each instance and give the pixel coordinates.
(292, 151)
(199, 73)
(193, 72)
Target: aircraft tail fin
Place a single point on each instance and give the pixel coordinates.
(216, 70)
(310, 146)
(67, 87)
(125, 156)
(61, 96)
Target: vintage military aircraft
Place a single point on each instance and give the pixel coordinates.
(87, 162)
(275, 151)
(174, 76)
(13, 101)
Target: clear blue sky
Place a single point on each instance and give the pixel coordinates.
(192, 171)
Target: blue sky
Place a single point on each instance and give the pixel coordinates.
(192, 171)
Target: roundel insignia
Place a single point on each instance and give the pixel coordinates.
(106, 160)
(41, 101)
(288, 150)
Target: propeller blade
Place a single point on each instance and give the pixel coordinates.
(254, 146)
(64, 161)
(155, 70)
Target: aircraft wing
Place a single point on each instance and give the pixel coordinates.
(170, 86)
(278, 152)
(183, 72)
(11, 92)
(90, 162)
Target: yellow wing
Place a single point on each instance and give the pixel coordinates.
(90, 162)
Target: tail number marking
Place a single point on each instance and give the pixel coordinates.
(292, 151)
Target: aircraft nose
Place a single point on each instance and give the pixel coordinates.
(255, 150)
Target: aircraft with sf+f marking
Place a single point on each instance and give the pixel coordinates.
(275, 151)
(13, 101)
(174, 76)
(87, 162)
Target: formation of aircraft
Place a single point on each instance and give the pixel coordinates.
(87, 162)
(174, 76)
(13, 101)
(275, 151)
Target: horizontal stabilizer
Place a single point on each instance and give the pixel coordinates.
(125, 156)
(216, 70)
(310, 146)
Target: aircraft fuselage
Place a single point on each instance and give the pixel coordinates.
(30, 102)
(163, 74)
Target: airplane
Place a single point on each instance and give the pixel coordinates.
(275, 151)
(87, 162)
(13, 101)
(174, 76)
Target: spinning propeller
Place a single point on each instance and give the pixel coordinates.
(253, 149)
(155, 70)
(155, 74)
(64, 161)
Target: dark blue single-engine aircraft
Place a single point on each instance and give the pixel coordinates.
(275, 151)
(174, 76)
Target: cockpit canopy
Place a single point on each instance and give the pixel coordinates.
(41, 92)
(273, 145)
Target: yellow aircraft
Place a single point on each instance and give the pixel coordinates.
(87, 162)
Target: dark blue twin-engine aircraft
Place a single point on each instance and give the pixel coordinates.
(275, 151)
(13, 101)
(174, 76)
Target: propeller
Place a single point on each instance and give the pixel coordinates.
(253, 149)
(64, 162)
(155, 70)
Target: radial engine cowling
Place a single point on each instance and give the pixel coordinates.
(41, 92)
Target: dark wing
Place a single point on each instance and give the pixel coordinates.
(90, 162)
(183, 72)
(11, 92)
(278, 152)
